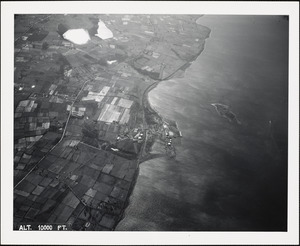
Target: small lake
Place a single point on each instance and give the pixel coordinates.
(77, 36)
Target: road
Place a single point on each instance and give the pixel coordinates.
(62, 136)
(48, 16)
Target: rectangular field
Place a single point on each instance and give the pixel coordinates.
(110, 113)
(125, 117)
(125, 103)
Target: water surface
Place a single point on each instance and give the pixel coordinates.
(226, 176)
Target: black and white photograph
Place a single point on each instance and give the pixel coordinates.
(139, 120)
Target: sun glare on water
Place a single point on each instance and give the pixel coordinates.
(77, 36)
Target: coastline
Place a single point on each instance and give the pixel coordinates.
(147, 106)
(183, 68)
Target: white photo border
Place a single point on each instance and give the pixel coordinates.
(8, 9)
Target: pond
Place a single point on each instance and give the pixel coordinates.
(77, 36)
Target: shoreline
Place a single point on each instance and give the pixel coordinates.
(185, 66)
(155, 84)
(146, 105)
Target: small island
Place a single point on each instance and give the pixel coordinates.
(224, 111)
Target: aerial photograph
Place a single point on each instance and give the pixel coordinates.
(150, 122)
